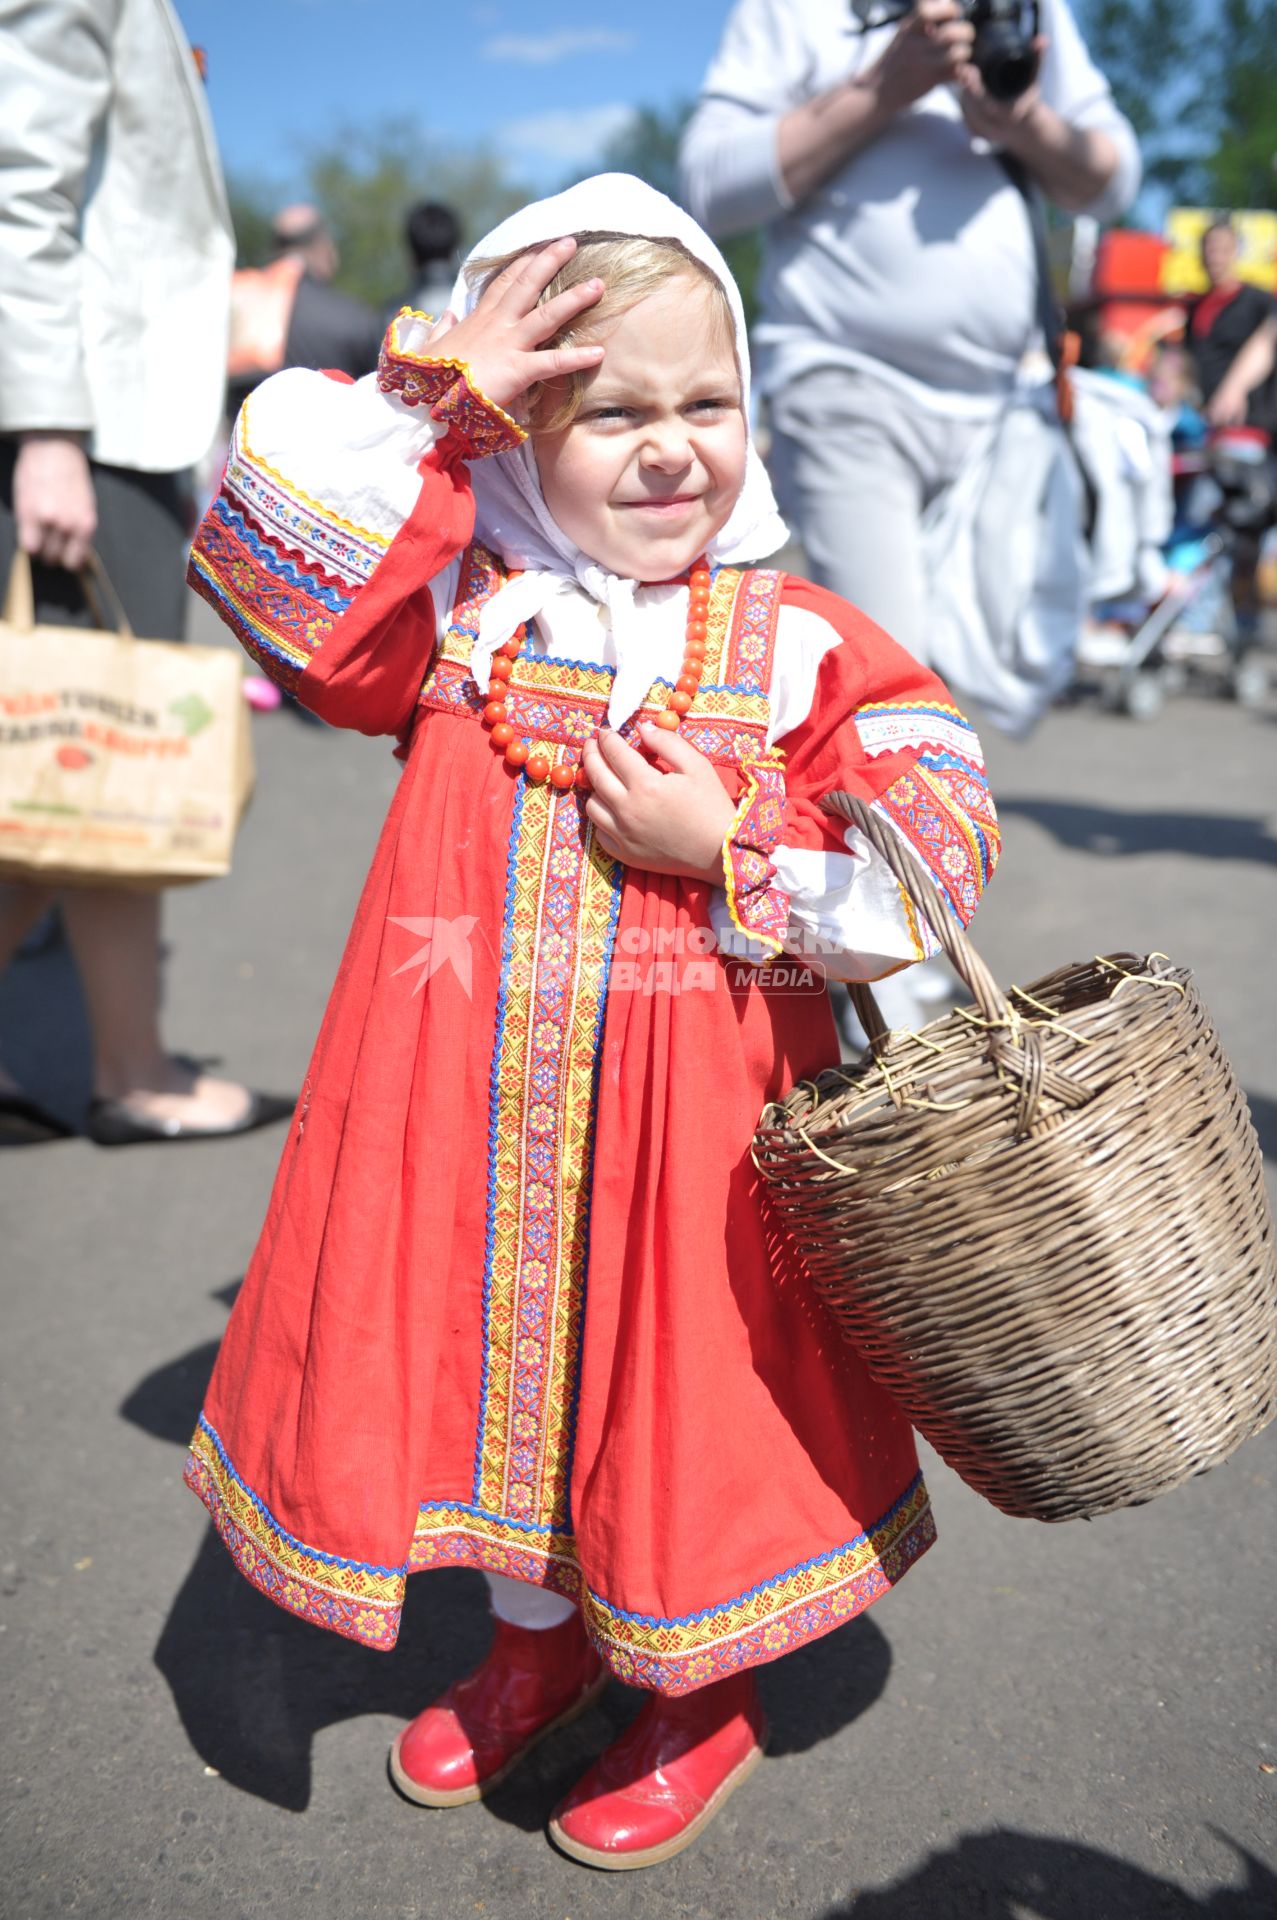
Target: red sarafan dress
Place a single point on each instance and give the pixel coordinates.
(517, 1304)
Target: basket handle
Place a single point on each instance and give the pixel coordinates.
(925, 895)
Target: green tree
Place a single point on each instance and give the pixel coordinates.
(364, 182)
(251, 209)
(648, 148)
(1150, 52)
(1198, 81)
(1242, 168)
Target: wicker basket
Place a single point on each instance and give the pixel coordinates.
(1042, 1222)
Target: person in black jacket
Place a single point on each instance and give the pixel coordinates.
(1232, 340)
(1232, 331)
(432, 233)
(325, 328)
(328, 328)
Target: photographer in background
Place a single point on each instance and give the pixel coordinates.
(899, 295)
(899, 291)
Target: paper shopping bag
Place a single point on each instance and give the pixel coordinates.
(121, 760)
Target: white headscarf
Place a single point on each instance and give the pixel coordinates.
(511, 516)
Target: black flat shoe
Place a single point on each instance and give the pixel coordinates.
(23, 1123)
(112, 1124)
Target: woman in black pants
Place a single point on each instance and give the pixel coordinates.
(115, 260)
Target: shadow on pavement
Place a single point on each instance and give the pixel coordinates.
(46, 1030)
(253, 1686)
(169, 1401)
(1109, 830)
(1011, 1876)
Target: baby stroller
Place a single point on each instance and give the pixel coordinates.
(1143, 646)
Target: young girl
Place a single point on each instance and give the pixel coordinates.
(517, 1305)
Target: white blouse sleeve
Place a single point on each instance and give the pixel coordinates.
(346, 444)
(730, 167)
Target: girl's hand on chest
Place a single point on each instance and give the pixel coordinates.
(665, 822)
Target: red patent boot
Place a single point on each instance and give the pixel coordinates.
(480, 1729)
(666, 1777)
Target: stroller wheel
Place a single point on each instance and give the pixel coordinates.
(1250, 681)
(1143, 696)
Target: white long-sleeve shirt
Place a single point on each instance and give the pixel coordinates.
(116, 244)
(914, 260)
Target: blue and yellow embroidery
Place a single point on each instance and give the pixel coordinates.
(363, 1602)
(676, 1655)
(885, 727)
(943, 809)
(278, 567)
(562, 900)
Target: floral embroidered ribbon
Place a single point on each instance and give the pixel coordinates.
(758, 907)
(447, 387)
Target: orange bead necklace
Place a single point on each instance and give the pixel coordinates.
(569, 773)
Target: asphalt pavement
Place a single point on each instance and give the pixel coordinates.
(1041, 1723)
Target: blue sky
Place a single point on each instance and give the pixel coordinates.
(283, 73)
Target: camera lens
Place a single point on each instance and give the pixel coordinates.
(1008, 63)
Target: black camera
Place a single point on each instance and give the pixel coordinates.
(1004, 53)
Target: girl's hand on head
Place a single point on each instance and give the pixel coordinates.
(501, 341)
(673, 822)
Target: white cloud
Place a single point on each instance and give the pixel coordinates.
(547, 49)
(568, 136)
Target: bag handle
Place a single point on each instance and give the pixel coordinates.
(19, 599)
(99, 592)
(95, 583)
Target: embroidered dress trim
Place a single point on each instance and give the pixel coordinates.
(562, 901)
(943, 809)
(451, 392)
(556, 703)
(891, 729)
(278, 567)
(758, 907)
(362, 1602)
(674, 1656)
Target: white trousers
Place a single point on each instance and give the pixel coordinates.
(521, 1605)
(856, 462)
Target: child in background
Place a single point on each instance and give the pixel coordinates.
(516, 1305)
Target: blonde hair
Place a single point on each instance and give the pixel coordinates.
(631, 267)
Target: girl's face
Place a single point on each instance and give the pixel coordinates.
(651, 467)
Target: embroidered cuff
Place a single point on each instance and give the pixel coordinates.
(758, 906)
(448, 389)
